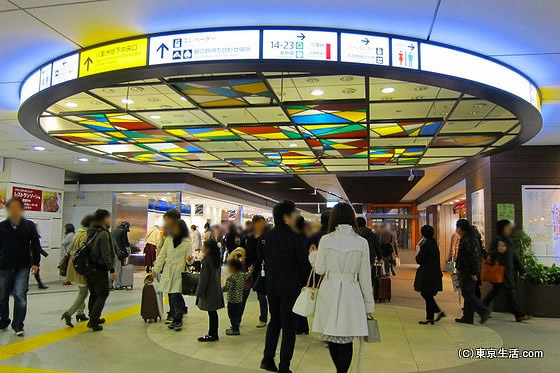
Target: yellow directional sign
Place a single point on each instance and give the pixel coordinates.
(116, 56)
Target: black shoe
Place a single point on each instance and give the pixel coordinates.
(101, 320)
(185, 310)
(81, 317)
(176, 325)
(426, 322)
(440, 316)
(4, 325)
(67, 319)
(269, 365)
(19, 332)
(94, 327)
(302, 333)
(484, 318)
(523, 318)
(463, 321)
(43, 287)
(208, 338)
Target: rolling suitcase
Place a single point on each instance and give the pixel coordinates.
(382, 289)
(149, 309)
(376, 272)
(127, 276)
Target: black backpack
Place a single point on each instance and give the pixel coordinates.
(82, 261)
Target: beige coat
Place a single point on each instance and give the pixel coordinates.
(175, 260)
(77, 241)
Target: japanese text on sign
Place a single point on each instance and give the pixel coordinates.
(116, 56)
(300, 44)
(31, 198)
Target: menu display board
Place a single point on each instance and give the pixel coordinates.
(405, 53)
(361, 48)
(204, 46)
(300, 45)
(31, 197)
(65, 69)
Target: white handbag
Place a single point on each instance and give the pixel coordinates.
(307, 299)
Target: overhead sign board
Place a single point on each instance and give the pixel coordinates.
(45, 80)
(300, 45)
(65, 69)
(361, 48)
(204, 46)
(30, 86)
(405, 53)
(115, 56)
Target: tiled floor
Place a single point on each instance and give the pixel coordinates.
(129, 345)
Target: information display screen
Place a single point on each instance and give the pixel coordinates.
(300, 45)
(368, 49)
(204, 46)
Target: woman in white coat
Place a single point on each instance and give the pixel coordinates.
(345, 299)
(175, 254)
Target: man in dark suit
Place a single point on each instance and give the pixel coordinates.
(286, 270)
(20, 253)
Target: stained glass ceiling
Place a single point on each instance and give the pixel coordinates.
(280, 123)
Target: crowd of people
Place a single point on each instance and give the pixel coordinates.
(273, 260)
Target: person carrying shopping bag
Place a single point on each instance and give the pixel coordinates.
(345, 298)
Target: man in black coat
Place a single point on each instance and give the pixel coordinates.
(316, 237)
(286, 270)
(373, 241)
(502, 249)
(122, 245)
(468, 267)
(20, 253)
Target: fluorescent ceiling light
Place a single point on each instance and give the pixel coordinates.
(317, 92)
(388, 90)
(155, 116)
(83, 159)
(127, 101)
(39, 148)
(293, 145)
(71, 104)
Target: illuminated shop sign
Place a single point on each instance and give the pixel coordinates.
(300, 45)
(204, 46)
(282, 44)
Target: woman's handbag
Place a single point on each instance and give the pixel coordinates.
(189, 283)
(373, 331)
(63, 265)
(492, 272)
(455, 281)
(307, 299)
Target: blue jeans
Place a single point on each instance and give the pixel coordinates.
(15, 282)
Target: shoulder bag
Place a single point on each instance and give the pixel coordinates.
(492, 272)
(63, 265)
(307, 299)
(189, 282)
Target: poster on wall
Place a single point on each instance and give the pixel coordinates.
(506, 211)
(477, 209)
(52, 201)
(199, 210)
(541, 220)
(44, 228)
(3, 194)
(31, 198)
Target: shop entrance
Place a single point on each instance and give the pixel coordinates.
(401, 219)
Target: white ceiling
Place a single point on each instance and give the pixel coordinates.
(525, 34)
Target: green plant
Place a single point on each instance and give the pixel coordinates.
(537, 273)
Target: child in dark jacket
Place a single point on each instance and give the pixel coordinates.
(234, 288)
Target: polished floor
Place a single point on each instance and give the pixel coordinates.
(129, 345)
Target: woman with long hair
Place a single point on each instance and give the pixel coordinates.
(209, 294)
(173, 258)
(69, 232)
(345, 299)
(428, 275)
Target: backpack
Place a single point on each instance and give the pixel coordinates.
(386, 249)
(82, 261)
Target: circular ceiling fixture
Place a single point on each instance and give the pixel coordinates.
(246, 100)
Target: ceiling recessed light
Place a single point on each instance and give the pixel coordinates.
(108, 90)
(312, 80)
(317, 92)
(155, 116)
(348, 91)
(388, 90)
(39, 148)
(420, 88)
(143, 195)
(473, 112)
(94, 102)
(183, 98)
(127, 101)
(83, 159)
(128, 193)
(268, 182)
(136, 89)
(153, 99)
(298, 188)
(347, 78)
(71, 104)
(292, 145)
(479, 105)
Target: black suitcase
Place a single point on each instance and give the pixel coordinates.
(149, 310)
